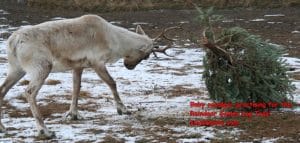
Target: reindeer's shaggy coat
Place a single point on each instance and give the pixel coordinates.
(73, 44)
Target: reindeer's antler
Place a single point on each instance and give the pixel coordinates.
(163, 33)
(161, 50)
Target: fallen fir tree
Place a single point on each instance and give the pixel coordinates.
(242, 67)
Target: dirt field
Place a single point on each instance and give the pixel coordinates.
(281, 26)
(279, 29)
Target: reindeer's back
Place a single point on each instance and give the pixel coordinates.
(63, 41)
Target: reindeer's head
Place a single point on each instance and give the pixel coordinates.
(146, 47)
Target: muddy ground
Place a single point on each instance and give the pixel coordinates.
(279, 29)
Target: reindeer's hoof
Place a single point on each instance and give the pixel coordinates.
(45, 135)
(74, 116)
(2, 128)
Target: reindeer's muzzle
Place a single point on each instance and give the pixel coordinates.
(130, 67)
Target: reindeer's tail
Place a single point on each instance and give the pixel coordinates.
(13, 43)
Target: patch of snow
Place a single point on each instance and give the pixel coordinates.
(274, 15)
(228, 21)
(257, 20)
(25, 22)
(2, 26)
(19, 104)
(131, 29)
(295, 32)
(140, 23)
(292, 62)
(183, 22)
(187, 44)
(57, 18)
(116, 22)
(271, 22)
(272, 140)
(3, 12)
(12, 29)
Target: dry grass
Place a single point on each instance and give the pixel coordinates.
(52, 82)
(129, 5)
(47, 82)
(175, 91)
(181, 90)
(23, 82)
(296, 75)
(52, 108)
(85, 94)
(277, 125)
(45, 110)
(112, 139)
(15, 113)
(256, 128)
(174, 71)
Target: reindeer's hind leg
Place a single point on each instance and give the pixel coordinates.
(14, 75)
(38, 72)
(73, 112)
(102, 72)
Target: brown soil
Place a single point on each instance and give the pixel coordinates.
(180, 90)
(52, 108)
(47, 82)
(3, 60)
(158, 19)
(130, 5)
(46, 111)
(296, 75)
(278, 124)
(111, 139)
(52, 82)
(23, 82)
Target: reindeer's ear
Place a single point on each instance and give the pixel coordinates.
(139, 30)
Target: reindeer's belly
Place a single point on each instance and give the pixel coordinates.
(68, 64)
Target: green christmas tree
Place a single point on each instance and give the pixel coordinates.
(242, 67)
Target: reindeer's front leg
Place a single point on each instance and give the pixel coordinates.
(104, 75)
(73, 112)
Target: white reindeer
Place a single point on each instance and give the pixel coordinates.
(72, 44)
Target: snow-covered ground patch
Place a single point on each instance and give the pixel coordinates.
(274, 15)
(57, 18)
(258, 20)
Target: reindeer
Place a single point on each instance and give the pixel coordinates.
(88, 41)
